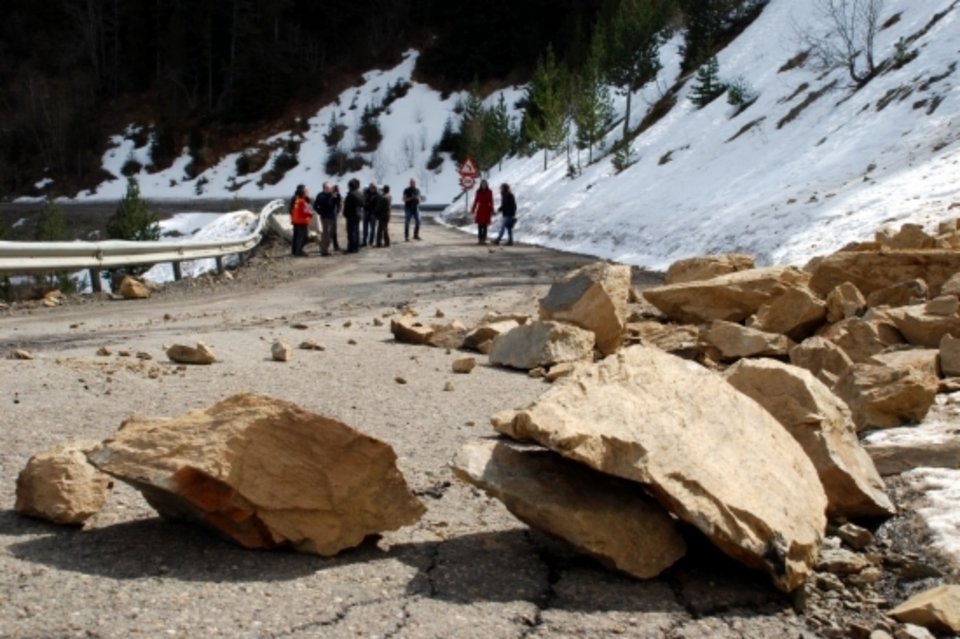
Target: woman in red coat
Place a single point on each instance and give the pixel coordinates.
(300, 215)
(483, 211)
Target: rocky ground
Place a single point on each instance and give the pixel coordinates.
(467, 569)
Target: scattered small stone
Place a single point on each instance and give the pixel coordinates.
(124, 353)
(104, 351)
(449, 387)
(347, 324)
(167, 317)
(76, 325)
(281, 351)
(310, 345)
(854, 536)
(471, 423)
(910, 631)
(400, 380)
(464, 365)
(439, 313)
(841, 562)
(299, 326)
(389, 276)
(142, 355)
(201, 354)
(559, 370)
(537, 373)
(352, 342)
(377, 322)
(21, 353)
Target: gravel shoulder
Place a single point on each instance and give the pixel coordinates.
(467, 569)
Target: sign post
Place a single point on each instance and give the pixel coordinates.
(468, 177)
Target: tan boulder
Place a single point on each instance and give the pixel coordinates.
(447, 334)
(883, 397)
(679, 339)
(910, 236)
(797, 314)
(133, 289)
(921, 328)
(281, 351)
(711, 456)
(937, 609)
(945, 305)
(558, 371)
(735, 341)
(464, 365)
(905, 293)
(925, 360)
(201, 354)
(949, 356)
(871, 271)
(845, 301)
(264, 473)
(487, 332)
(594, 298)
(541, 344)
(862, 338)
(951, 286)
(825, 359)
(61, 486)
(410, 330)
(609, 518)
(708, 266)
(821, 423)
(733, 297)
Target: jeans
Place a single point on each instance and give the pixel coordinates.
(300, 232)
(369, 234)
(506, 224)
(353, 235)
(411, 212)
(383, 231)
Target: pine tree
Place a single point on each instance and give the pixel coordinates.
(708, 86)
(500, 130)
(545, 120)
(133, 220)
(633, 50)
(592, 107)
(472, 127)
(51, 227)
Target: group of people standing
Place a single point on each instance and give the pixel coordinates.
(366, 214)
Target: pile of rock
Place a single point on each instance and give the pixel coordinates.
(262, 472)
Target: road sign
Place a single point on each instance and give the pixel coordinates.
(469, 168)
(467, 181)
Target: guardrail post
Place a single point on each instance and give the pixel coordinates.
(177, 272)
(220, 265)
(95, 283)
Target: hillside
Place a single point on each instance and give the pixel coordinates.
(813, 163)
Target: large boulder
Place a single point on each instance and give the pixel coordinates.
(925, 360)
(937, 609)
(922, 328)
(884, 397)
(593, 297)
(905, 293)
(845, 301)
(682, 340)
(825, 359)
(949, 356)
(410, 330)
(133, 289)
(734, 341)
(481, 338)
(61, 486)
(712, 456)
(609, 518)
(200, 355)
(706, 267)
(910, 236)
(541, 344)
(733, 297)
(797, 314)
(821, 423)
(862, 338)
(871, 271)
(265, 473)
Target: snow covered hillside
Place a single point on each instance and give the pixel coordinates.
(813, 164)
(780, 180)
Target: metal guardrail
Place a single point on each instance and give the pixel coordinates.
(24, 257)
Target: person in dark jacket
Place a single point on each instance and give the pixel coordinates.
(371, 200)
(338, 209)
(383, 218)
(300, 215)
(411, 210)
(352, 208)
(508, 207)
(482, 210)
(325, 206)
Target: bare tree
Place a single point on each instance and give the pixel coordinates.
(848, 36)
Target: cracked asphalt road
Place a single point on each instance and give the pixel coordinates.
(467, 569)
